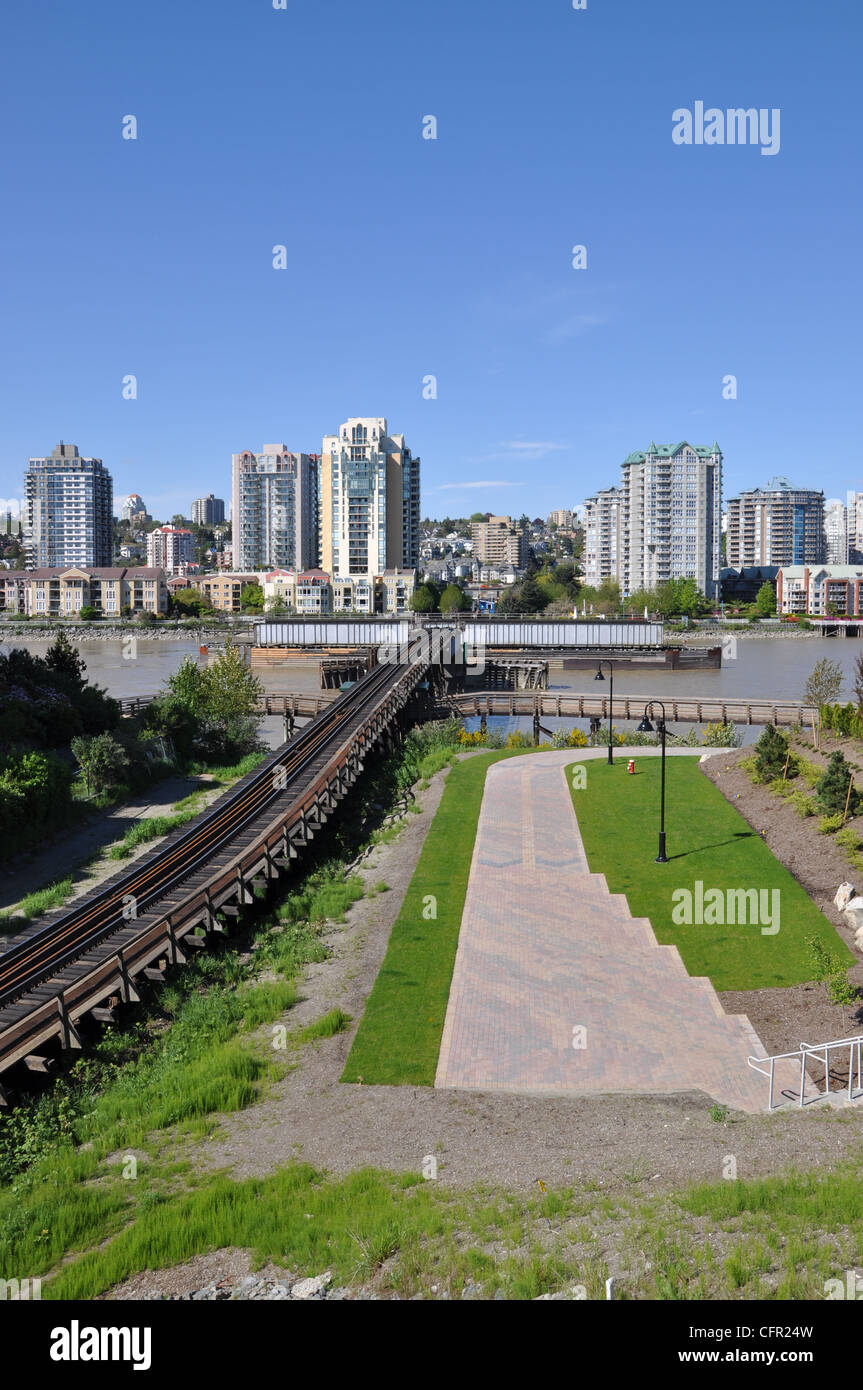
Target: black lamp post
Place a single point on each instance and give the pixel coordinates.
(600, 677)
(645, 727)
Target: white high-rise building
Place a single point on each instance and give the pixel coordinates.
(69, 511)
(170, 548)
(274, 509)
(835, 532)
(603, 549)
(671, 515)
(132, 505)
(369, 501)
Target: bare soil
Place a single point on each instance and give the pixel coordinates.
(783, 1018)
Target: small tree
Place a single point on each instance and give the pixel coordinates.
(832, 787)
(101, 758)
(827, 969)
(188, 602)
(771, 751)
(765, 600)
(252, 597)
(824, 683)
(65, 660)
(422, 600)
(454, 600)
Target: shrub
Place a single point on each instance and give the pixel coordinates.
(804, 805)
(844, 720)
(575, 738)
(810, 772)
(102, 760)
(721, 735)
(34, 795)
(828, 825)
(848, 839)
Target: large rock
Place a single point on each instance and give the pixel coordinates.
(854, 910)
(858, 939)
(844, 894)
(312, 1288)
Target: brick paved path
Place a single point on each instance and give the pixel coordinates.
(548, 958)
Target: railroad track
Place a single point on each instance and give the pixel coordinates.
(37, 965)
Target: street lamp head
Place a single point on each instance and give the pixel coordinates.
(645, 727)
(599, 676)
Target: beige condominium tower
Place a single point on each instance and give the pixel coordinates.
(776, 525)
(369, 501)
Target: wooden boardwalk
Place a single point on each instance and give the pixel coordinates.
(693, 709)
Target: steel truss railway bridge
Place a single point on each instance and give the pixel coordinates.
(86, 959)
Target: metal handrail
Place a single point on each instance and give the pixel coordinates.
(821, 1051)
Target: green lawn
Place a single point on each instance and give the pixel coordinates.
(398, 1040)
(709, 841)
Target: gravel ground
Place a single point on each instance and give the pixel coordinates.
(229, 1278)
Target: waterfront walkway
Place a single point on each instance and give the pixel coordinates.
(557, 988)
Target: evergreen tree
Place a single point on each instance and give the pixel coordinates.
(832, 788)
(771, 750)
(65, 660)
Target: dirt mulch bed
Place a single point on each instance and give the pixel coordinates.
(784, 1018)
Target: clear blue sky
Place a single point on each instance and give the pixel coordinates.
(409, 257)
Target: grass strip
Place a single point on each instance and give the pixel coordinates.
(143, 831)
(708, 841)
(398, 1040)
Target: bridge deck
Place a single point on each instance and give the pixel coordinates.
(693, 709)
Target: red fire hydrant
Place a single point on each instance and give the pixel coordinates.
(630, 766)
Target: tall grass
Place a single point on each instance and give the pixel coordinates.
(143, 831)
(35, 904)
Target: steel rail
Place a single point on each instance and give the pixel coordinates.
(46, 952)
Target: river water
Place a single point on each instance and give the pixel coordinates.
(776, 667)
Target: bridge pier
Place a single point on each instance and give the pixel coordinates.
(69, 1037)
(128, 992)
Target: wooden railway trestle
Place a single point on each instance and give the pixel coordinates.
(168, 929)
